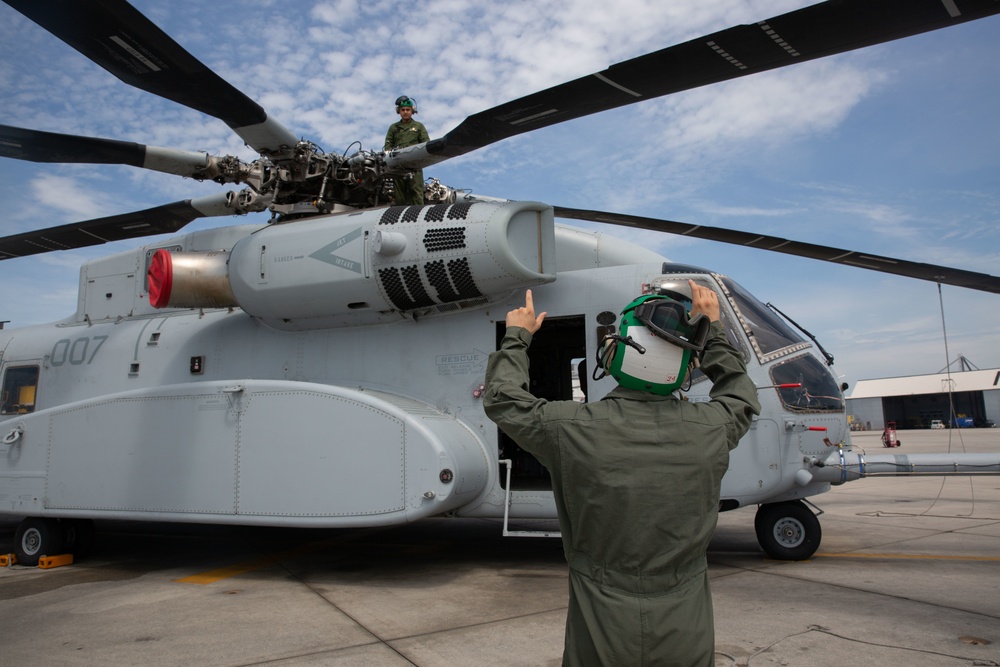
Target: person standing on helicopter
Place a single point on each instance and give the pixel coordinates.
(407, 190)
(636, 476)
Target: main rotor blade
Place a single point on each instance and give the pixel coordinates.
(36, 146)
(900, 267)
(117, 37)
(165, 219)
(813, 32)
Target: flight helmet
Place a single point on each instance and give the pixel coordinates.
(405, 101)
(654, 346)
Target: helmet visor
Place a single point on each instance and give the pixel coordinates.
(669, 320)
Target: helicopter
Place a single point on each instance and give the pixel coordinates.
(325, 368)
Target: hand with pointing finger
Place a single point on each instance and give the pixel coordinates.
(525, 316)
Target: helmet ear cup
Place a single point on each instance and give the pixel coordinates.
(607, 354)
(606, 351)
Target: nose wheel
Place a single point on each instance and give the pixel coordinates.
(787, 531)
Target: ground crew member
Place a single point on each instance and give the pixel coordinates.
(636, 478)
(407, 132)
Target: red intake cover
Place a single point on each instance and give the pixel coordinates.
(161, 278)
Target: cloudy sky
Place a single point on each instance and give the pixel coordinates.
(892, 150)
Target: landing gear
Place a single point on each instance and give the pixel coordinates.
(36, 537)
(787, 531)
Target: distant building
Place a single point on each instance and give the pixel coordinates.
(914, 401)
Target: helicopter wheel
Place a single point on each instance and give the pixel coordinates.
(787, 531)
(36, 537)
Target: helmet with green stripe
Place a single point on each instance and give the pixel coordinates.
(654, 345)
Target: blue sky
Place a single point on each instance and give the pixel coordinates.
(893, 150)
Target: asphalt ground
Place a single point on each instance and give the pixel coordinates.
(908, 573)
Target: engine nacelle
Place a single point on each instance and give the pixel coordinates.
(370, 266)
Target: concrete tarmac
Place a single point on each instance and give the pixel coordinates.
(908, 573)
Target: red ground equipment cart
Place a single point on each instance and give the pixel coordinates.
(889, 438)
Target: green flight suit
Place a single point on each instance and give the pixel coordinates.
(636, 479)
(409, 191)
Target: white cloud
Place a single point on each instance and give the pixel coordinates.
(67, 195)
(763, 112)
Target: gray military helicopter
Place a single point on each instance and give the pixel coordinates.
(325, 369)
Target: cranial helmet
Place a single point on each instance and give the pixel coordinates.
(654, 345)
(404, 101)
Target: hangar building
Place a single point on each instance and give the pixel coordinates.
(912, 402)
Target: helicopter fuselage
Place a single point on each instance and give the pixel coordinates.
(350, 411)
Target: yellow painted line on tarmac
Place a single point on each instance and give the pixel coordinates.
(218, 574)
(984, 559)
(229, 571)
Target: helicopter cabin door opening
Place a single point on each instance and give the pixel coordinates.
(557, 357)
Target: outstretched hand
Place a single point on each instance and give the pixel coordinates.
(704, 301)
(525, 316)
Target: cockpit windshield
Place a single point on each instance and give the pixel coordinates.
(768, 332)
(817, 389)
(803, 382)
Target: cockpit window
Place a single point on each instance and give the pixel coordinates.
(817, 390)
(768, 332)
(18, 394)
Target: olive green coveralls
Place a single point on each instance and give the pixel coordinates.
(636, 479)
(407, 191)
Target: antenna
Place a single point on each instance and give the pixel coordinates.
(947, 369)
(961, 360)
